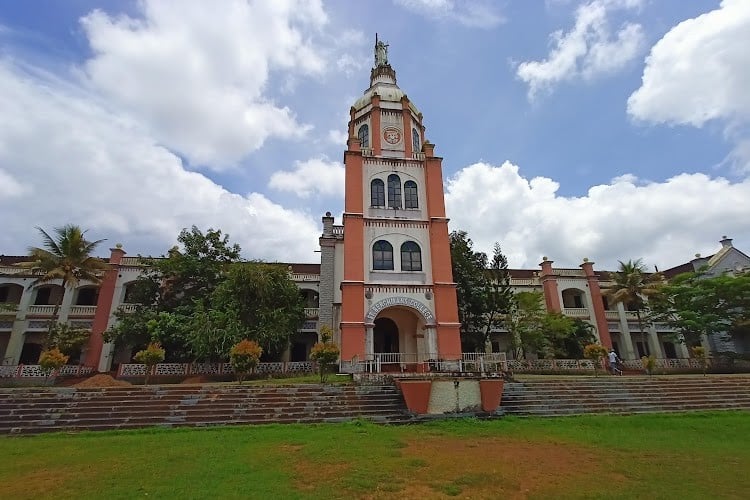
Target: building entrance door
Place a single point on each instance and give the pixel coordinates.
(385, 336)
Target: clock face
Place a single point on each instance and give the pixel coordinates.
(391, 135)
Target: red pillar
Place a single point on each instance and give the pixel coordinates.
(103, 308)
(549, 284)
(446, 308)
(598, 304)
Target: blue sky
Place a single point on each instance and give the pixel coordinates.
(607, 129)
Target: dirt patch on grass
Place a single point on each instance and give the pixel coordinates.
(198, 379)
(102, 380)
(509, 468)
(309, 475)
(449, 467)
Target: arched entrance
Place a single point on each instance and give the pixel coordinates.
(385, 336)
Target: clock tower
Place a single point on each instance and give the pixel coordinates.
(393, 299)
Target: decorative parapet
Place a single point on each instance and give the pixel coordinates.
(576, 312)
(33, 371)
(305, 277)
(570, 272)
(127, 370)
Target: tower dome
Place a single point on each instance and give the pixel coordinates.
(382, 81)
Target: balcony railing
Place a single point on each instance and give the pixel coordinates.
(82, 311)
(305, 277)
(311, 312)
(569, 272)
(612, 314)
(576, 312)
(128, 308)
(41, 310)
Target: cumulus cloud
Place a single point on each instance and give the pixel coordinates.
(10, 187)
(471, 13)
(663, 223)
(79, 163)
(198, 81)
(700, 72)
(588, 50)
(315, 176)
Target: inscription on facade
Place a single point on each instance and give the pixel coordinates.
(400, 301)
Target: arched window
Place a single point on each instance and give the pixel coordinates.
(382, 256)
(410, 195)
(364, 136)
(394, 191)
(377, 193)
(415, 140)
(411, 257)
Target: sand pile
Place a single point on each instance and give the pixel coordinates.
(102, 380)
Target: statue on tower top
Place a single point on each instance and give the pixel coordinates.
(381, 52)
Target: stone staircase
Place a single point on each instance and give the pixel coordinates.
(556, 396)
(29, 411)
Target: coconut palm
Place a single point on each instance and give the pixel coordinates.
(632, 285)
(66, 257)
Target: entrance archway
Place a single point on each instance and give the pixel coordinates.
(385, 336)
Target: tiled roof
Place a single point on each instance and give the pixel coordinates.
(670, 273)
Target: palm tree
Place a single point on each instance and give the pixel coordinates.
(65, 257)
(632, 285)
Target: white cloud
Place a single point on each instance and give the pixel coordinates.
(196, 75)
(663, 223)
(81, 164)
(699, 71)
(472, 13)
(588, 50)
(338, 137)
(314, 176)
(9, 186)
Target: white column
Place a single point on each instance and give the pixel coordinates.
(67, 302)
(682, 348)
(369, 342)
(18, 334)
(627, 342)
(431, 342)
(654, 344)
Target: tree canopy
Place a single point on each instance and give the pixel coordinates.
(483, 291)
(695, 305)
(66, 256)
(632, 286)
(201, 299)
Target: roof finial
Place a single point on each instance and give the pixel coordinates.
(381, 52)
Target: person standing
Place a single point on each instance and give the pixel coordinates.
(614, 363)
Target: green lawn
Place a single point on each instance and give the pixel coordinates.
(704, 455)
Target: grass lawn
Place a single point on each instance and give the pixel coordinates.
(699, 455)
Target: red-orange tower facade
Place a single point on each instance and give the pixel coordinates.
(398, 298)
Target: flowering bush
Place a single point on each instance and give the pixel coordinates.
(649, 363)
(52, 360)
(699, 353)
(150, 356)
(595, 352)
(244, 357)
(325, 353)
